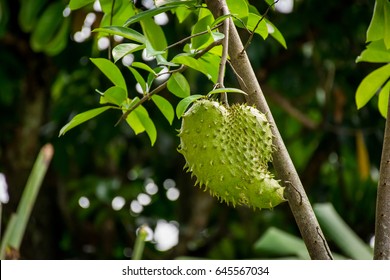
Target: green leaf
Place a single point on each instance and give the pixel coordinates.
(383, 100)
(182, 13)
(220, 19)
(201, 25)
(60, 39)
(208, 64)
(222, 90)
(162, 61)
(178, 85)
(375, 52)
(130, 103)
(270, 2)
(379, 27)
(387, 24)
(146, 15)
(143, 66)
(155, 36)
(261, 29)
(165, 107)
(145, 121)
(125, 32)
(139, 79)
(239, 8)
(48, 25)
(275, 33)
(77, 4)
(287, 244)
(216, 35)
(371, 84)
(83, 117)
(184, 103)
(134, 122)
(111, 71)
(29, 13)
(115, 95)
(121, 50)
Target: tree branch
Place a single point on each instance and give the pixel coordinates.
(382, 220)
(297, 198)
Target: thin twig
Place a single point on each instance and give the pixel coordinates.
(257, 25)
(192, 36)
(111, 37)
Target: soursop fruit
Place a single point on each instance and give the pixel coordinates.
(228, 150)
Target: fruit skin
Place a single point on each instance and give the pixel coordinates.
(228, 150)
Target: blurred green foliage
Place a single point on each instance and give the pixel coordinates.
(311, 90)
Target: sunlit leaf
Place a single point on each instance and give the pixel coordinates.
(375, 52)
(143, 66)
(121, 50)
(178, 85)
(147, 123)
(115, 95)
(139, 79)
(200, 26)
(82, 117)
(256, 21)
(125, 32)
(239, 8)
(77, 4)
(155, 35)
(208, 64)
(383, 100)
(111, 71)
(134, 122)
(376, 28)
(216, 35)
(185, 103)
(275, 33)
(371, 84)
(165, 107)
(220, 19)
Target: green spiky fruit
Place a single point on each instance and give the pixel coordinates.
(228, 150)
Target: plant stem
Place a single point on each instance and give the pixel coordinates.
(295, 193)
(140, 243)
(382, 220)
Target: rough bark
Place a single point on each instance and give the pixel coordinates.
(284, 167)
(382, 220)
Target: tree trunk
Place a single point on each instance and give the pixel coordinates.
(295, 193)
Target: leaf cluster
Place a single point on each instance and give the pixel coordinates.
(201, 52)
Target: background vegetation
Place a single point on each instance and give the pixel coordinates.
(90, 204)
